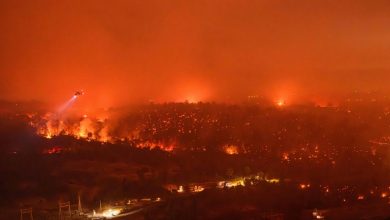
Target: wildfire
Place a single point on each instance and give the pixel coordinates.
(236, 182)
(48, 135)
(53, 150)
(230, 149)
(92, 129)
(152, 145)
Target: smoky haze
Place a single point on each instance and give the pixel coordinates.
(125, 51)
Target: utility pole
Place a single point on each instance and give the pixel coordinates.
(26, 211)
(79, 206)
(63, 205)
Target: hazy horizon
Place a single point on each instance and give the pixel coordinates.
(130, 52)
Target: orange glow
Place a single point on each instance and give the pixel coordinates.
(281, 103)
(230, 149)
(92, 129)
(304, 186)
(181, 189)
(152, 145)
(197, 189)
(110, 213)
(191, 91)
(192, 99)
(175, 54)
(48, 135)
(53, 150)
(285, 157)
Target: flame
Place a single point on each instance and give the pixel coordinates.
(304, 186)
(230, 149)
(53, 150)
(93, 129)
(181, 189)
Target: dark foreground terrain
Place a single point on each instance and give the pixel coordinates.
(201, 161)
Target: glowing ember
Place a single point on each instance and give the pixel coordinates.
(53, 150)
(285, 157)
(304, 186)
(234, 183)
(181, 189)
(273, 180)
(197, 189)
(230, 149)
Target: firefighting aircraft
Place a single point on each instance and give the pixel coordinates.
(78, 93)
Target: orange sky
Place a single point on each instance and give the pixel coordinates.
(126, 51)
